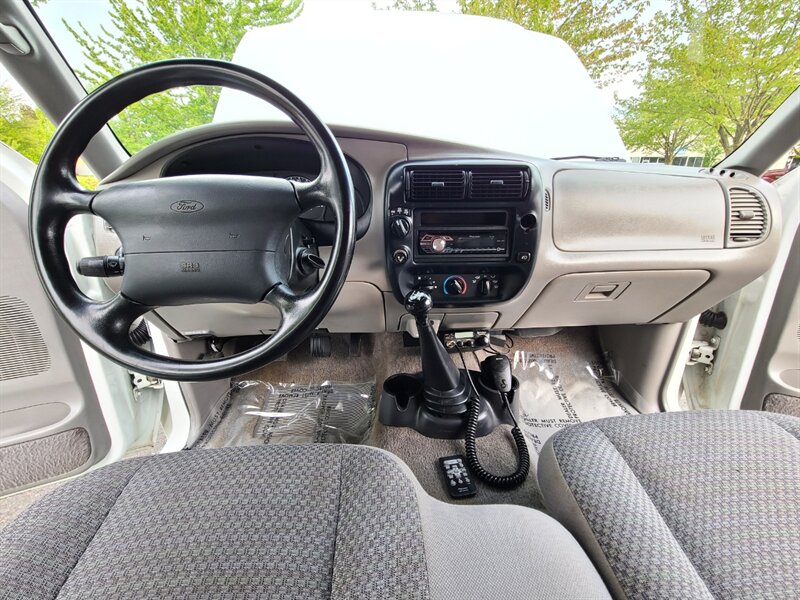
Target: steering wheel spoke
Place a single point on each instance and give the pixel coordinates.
(319, 192)
(112, 320)
(75, 200)
(287, 301)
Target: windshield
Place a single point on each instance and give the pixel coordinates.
(679, 82)
(476, 81)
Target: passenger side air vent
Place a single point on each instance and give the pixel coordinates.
(497, 184)
(436, 184)
(748, 218)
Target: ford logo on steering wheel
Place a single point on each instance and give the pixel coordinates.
(186, 206)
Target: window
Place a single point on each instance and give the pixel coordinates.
(26, 129)
(688, 161)
(783, 165)
(23, 126)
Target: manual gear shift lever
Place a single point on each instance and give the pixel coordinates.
(445, 387)
(443, 401)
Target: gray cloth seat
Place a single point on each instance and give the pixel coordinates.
(699, 504)
(281, 521)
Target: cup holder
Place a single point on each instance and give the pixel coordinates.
(403, 388)
(403, 404)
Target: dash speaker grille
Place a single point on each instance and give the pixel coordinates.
(23, 351)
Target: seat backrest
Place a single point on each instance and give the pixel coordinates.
(694, 504)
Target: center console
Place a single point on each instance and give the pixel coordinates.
(446, 402)
(465, 232)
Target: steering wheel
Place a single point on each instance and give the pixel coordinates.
(190, 239)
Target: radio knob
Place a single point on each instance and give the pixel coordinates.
(399, 227)
(438, 244)
(455, 285)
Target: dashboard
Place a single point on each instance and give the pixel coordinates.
(501, 241)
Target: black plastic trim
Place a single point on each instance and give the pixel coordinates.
(511, 273)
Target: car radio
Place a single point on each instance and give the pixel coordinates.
(466, 233)
(473, 242)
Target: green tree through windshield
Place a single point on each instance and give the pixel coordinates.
(714, 72)
(711, 71)
(153, 30)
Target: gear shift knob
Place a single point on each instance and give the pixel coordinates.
(419, 304)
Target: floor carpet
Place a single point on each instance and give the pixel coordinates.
(782, 404)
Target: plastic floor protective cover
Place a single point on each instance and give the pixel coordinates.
(557, 390)
(257, 412)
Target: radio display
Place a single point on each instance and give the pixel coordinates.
(476, 241)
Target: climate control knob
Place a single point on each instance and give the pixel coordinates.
(400, 227)
(455, 285)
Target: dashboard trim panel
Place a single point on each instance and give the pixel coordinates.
(465, 252)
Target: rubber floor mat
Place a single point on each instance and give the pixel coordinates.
(257, 412)
(558, 390)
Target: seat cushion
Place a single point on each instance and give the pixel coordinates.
(277, 521)
(697, 504)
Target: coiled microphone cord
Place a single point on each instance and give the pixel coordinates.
(523, 461)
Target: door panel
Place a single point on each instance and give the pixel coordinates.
(775, 382)
(750, 361)
(51, 424)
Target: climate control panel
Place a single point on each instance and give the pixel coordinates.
(449, 287)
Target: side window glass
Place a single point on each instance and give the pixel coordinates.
(23, 126)
(26, 129)
(782, 166)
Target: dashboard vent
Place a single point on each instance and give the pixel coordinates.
(748, 219)
(497, 184)
(437, 184)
